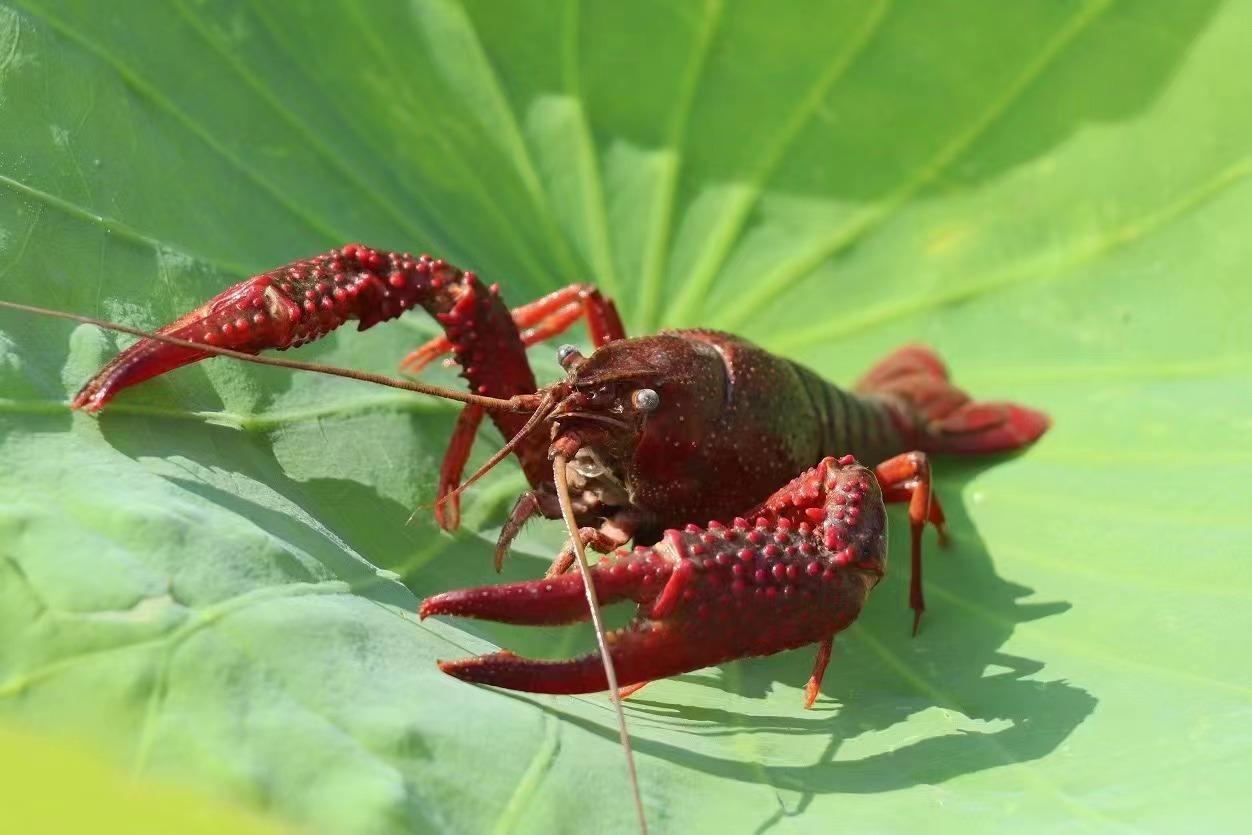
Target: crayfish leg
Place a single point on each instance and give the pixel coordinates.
(557, 312)
(906, 478)
(542, 319)
(528, 506)
(612, 534)
(814, 685)
(448, 503)
(631, 689)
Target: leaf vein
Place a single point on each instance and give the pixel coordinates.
(695, 290)
(658, 247)
(789, 272)
(146, 89)
(310, 136)
(115, 227)
(1042, 270)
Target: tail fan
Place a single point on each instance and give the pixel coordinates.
(944, 418)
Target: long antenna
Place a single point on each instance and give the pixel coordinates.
(541, 412)
(518, 403)
(593, 603)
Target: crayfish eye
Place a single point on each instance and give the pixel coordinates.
(645, 400)
(568, 356)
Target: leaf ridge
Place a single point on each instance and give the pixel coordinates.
(466, 174)
(657, 254)
(117, 228)
(515, 142)
(595, 202)
(786, 273)
(141, 86)
(695, 289)
(312, 137)
(1042, 269)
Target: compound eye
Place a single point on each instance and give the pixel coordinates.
(568, 355)
(645, 400)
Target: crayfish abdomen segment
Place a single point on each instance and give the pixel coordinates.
(795, 575)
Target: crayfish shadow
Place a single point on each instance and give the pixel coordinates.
(880, 676)
(326, 527)
(342, 528)
(991, 709)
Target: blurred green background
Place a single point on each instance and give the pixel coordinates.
(207, 595)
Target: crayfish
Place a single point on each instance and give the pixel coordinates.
(734, 473)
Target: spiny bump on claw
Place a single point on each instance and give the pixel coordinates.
(705, 594)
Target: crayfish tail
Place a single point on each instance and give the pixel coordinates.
(939, 416)
(987, 427)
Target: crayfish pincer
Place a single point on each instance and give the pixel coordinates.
(732, 471)
(796, 575)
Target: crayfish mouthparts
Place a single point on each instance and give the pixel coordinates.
(596, 483)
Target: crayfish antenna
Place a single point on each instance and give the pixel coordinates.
(593, 603)
(540, 414)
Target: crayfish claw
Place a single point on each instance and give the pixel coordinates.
(549, 601)
(505, 669)
(248, 318)
(705, 595)
(283, 308)
(641, 652)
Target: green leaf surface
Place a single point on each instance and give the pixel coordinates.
(214, 583)
(49, 787)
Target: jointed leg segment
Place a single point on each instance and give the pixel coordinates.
(814, 685)
(906, 478)
(448, 510)
(542, 319)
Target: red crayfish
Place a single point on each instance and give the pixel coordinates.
(734, 472)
